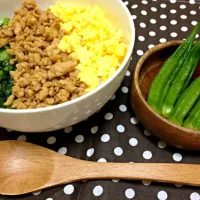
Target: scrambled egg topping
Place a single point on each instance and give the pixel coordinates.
(91, 37)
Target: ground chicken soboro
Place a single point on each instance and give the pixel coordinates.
(44, 75)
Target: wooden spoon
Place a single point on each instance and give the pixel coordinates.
(26, 167)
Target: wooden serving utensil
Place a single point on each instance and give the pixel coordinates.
(27, 168)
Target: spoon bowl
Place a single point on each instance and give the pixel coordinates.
(28, 168)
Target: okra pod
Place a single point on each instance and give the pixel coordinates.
(182, 80)
(161, 83)
(193, 120)
(185, 103)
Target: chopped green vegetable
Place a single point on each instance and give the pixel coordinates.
(6, 21)
(6, 82)
(5, 56)
(1, 21)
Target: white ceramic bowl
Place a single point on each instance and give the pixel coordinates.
(72, 112)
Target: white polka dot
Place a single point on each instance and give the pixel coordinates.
(21, 138)
(105, 138)
(193, 12)
(184, 28)
(153, 21)
(122, 108)
(183, 17)
(147, 133)
(177, 157)
(37, 192)
(153, 9)
(87, 106)
(163, 5)
(118, 151)
(79, 138)
(134, 120)
(182, 6)
(128, 73)
(146, 183)
(62, 150)
(108, 116)
(90, 152)
(192, 1)
(126, 3)
(68, 129)
(120, 128)
(144, 2)
(115, 180)
(75, 118)
(113, 97)
(173, 22)
(163, 28)
(51, 140)
(134, 6)
(68, 189)
(133, 142)
(88, 112)
(147, 155)
(172, 11)
(162, 40)
(151, 46)
(178, 185)
(143, 12)
(163, 16)
(172, 1)
(194, 196)
(103, 160)
(162, 195)
(140, 52)
(142, 25)
(130, 193)
(134, 17)
(152, 33)
(194, 23)
(49, 199)
(94, 129)
(141, 38)
(125, 89)
(173, 34)
(97, 191)
(197, 35)
(162, 144)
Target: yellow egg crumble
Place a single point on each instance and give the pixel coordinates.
(92, 37)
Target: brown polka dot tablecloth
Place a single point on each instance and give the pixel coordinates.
(114, 134)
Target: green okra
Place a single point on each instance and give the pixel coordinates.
(185, 103)
(182, 80)
(161, 83)
(193, 120)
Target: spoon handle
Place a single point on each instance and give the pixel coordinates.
(188, 174)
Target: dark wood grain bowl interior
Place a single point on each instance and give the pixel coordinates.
(145, 71)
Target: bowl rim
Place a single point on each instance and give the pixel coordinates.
(100, 87)
(135, 76)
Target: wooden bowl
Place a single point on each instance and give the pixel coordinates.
(145, 71)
